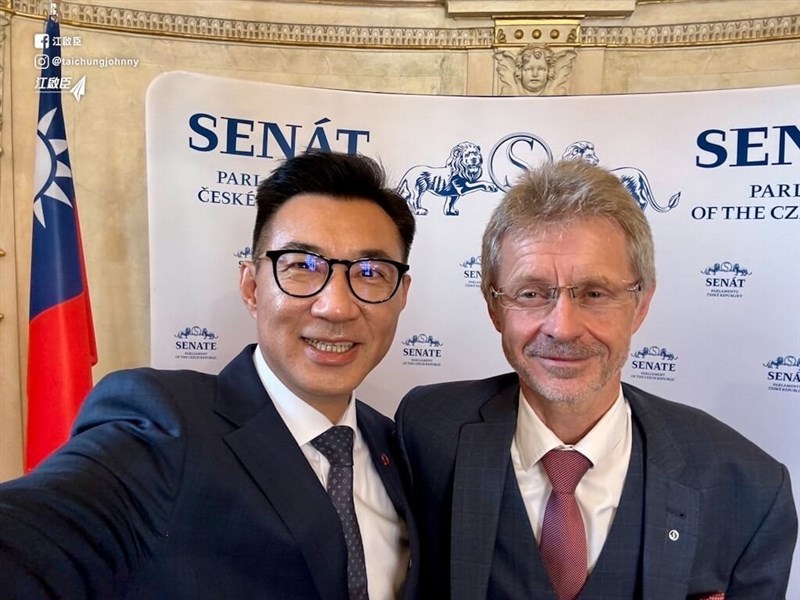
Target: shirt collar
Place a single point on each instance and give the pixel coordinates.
(534, 439)
(303, 420)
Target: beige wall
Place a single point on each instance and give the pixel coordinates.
(402, 46)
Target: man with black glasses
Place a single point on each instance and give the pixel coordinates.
(559, 482)
(269, 480)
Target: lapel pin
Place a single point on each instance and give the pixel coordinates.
(385, 460)
(674, 535)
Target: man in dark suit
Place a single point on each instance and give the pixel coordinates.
(178, 484)
(559, 481)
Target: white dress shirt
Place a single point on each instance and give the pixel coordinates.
(383, 533)
(607, 445)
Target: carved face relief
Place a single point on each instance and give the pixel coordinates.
(533, 74)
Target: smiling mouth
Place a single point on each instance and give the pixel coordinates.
(335, 347)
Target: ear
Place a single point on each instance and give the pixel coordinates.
(494, 316)
(248, 287)
(642, 309)
(405, 285)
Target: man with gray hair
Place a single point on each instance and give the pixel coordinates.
(558, 480)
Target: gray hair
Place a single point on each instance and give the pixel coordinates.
(561, 193)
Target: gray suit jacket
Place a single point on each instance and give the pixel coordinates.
(178, 484)
(729, 502)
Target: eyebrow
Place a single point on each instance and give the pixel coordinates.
(588, 280)
(365, 253)
(301, 247)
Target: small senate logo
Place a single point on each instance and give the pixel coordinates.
(654, 363)
(195, 342)
(471, 271)
(422, 350)
(783, 373)
(725, 279)
(245, 253)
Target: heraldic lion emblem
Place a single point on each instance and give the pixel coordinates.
(634, 180)
(461, 174)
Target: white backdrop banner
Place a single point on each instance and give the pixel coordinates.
(717, 174)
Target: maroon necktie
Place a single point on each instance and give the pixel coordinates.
(563, 539)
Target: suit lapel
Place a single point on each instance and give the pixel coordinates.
(378, 434)
(273, 459)
(482, 462)
(671, 509)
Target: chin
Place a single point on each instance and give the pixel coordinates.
(568, 391)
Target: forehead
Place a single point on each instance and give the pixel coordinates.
(533, 57)
(338, 227)
(589, 247)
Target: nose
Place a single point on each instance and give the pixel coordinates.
(336, 301)
(565, 321)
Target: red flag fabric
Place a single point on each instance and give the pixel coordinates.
(61, 343)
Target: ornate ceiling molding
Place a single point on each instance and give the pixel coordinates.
(258, 32)
(582, 35)
(521, 32)
(694, 34)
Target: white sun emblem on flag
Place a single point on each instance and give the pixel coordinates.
(48, 167)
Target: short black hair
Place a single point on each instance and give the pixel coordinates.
(335, 174)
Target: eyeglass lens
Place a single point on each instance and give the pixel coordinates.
(589, 296)
(303, 274)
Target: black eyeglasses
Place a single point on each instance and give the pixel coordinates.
(304, 274)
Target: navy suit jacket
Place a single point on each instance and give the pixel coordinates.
(178, 484)
(729, 503)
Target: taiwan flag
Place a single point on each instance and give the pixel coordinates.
(61, 344)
